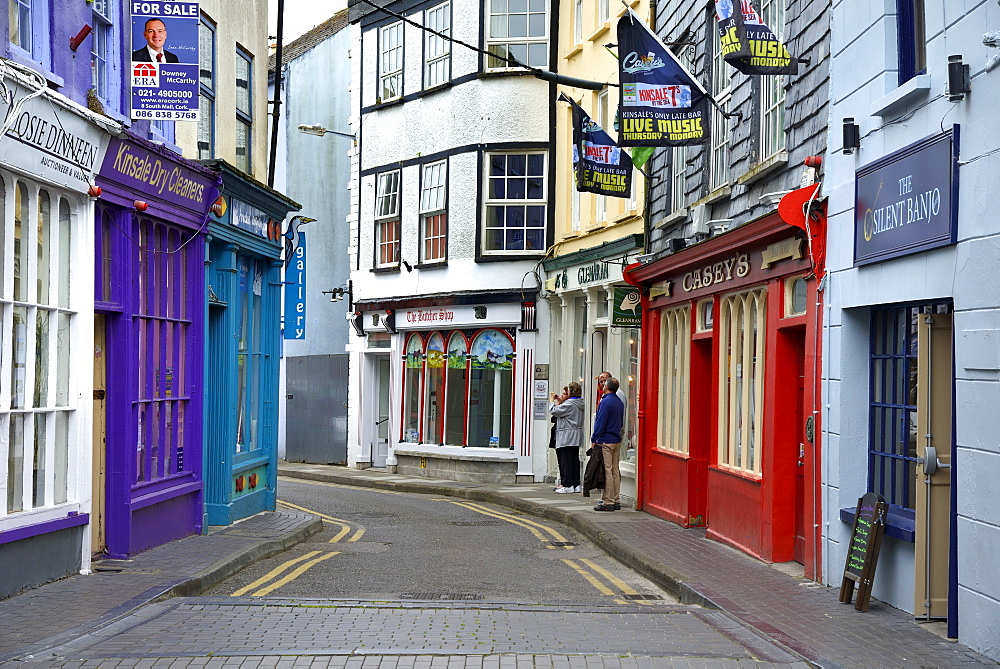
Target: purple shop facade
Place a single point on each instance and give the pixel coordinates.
(149, 304)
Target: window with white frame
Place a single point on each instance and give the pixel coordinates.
(678, 161)
(578, 21)
(100, 49)
(722, 77)
(390, 61)
(434, 212)
(742, 320)
(602, 120)
(515, 203)
(517, 29)
(244, 111)
(37, 321)
(206, 86)
(437, 50)
(603, 12)
(772, 88)
(675, 367)
(387, 228)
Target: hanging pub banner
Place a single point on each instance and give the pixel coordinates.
(600, 166)
(164, 60)
(661, 103)
(749, 45)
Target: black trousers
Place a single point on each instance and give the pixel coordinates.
(569, 466)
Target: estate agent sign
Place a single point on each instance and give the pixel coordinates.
(907, 201)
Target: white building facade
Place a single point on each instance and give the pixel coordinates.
(451, 197)
(912, 334)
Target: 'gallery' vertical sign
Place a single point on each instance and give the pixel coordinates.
(295, 293)
(164, 60)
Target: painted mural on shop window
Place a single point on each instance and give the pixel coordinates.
(460, 398)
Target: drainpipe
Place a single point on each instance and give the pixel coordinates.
(276, 110)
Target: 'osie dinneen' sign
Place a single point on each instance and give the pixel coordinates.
(907, 201)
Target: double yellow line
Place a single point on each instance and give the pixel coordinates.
(610, 586)
(277, 577)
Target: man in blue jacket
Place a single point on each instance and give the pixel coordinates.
(608, 437)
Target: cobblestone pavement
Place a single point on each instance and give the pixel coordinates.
(394, 632)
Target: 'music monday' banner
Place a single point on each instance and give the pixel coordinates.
(749, 45)
(164, 62)
(661, 103)
(601, 167)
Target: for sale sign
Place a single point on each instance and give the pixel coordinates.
(164, 62)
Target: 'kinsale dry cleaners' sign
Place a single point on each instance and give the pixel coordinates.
(905, 203)
(132, 165)
(49, 141)
(164, 60)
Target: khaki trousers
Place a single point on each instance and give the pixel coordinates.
(612, 475)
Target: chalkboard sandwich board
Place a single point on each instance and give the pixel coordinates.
(862, 553)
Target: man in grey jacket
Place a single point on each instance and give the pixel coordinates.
(568, 411)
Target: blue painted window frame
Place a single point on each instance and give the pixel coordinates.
(105, 54)
(39, 50)
(911, 34)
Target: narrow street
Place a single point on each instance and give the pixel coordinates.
(409, 580)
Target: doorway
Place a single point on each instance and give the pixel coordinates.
(380, 444)
(98, 543)
(797, 341)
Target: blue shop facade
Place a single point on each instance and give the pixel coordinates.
(243, 276)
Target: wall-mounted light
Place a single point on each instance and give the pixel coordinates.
(319, 131)
(719, 225)
(852, 136)
(77, 40)
(959, 79)
(94, 191)
(340, 292)
(140, 205)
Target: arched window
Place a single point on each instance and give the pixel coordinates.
(413, 366)
(491, 390)
(434, 391)
(456, 390)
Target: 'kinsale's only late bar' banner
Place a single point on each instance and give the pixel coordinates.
(600, 166)
(164, 60)
(747, 43)
(661, 103)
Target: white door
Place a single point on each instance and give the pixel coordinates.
(380, 446)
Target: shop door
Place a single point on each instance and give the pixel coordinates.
(98, 482)
(380, 447)
(935, 383)
(798, 345)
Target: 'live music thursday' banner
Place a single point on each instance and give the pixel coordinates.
(749, 45)
(600, 166)
(661, 103)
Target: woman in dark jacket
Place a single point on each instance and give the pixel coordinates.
(569, 415)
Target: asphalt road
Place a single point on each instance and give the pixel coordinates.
(399, 580)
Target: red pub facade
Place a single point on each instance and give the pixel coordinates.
(729, 434)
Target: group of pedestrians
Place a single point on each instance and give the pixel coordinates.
(569, 414)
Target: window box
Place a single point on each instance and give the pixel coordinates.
(900, 523)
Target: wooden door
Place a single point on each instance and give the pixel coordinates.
(98, 482)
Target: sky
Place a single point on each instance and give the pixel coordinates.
(301, 15)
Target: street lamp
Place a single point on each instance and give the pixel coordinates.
(318, 130)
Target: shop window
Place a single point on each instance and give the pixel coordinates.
(413, 367)
(892, 414)
(515, 203)
(675, 372)
(517, 29)
(630, 384)
(390, 71)
(796, 294)
(456, 389)
(741, 380)
(706, 316)
(490, 390)
(581, 327)
(37, 323)
(434, 385)
(437, 50)
(164, 328)
(250, 275)
(602, 304)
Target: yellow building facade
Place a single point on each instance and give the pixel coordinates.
(595, 236)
